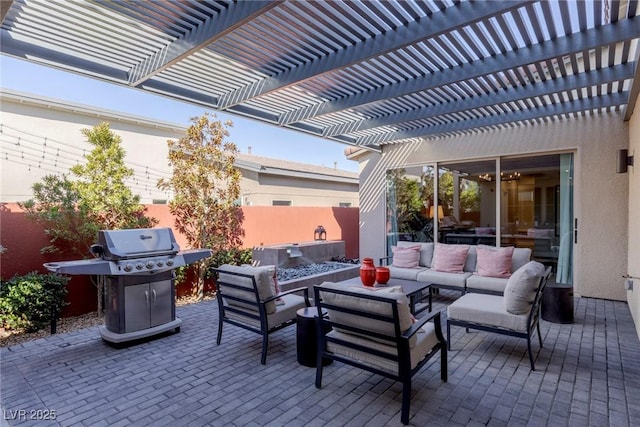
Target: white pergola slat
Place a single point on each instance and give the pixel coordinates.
(365, 73)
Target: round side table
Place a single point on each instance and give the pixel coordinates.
(307, 337)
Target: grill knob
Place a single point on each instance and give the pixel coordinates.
(139, 266)
(169, 262)
(159, 263)
(150, 265)
(128, 267)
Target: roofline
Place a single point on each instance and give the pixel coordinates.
(86, 110)
(267, 170)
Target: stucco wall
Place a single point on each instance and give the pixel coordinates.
(601, 195)
(633, 297)
(145, 145)
(262, 190)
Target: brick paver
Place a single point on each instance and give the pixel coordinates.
(588, 374)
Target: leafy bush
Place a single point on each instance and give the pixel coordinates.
(232, 256)
(26, 301)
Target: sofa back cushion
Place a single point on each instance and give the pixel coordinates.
(406, 257)
(521, 256)
(264, 277)
(521, 287)
(494, 262)
(426, 251)
(393, 293)
(449, 258)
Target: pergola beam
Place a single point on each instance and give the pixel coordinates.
(572, 82)
(210, 30)
(581, 105)
(416, 31)
(620, 31)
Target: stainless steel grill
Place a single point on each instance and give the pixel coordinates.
(138, 268)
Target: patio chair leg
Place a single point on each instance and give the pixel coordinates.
(219, 332)
(539, 334)
(265, 343)
(448, 336)
(319, 367)
(406, 401)
(533, 367)
(444, 373)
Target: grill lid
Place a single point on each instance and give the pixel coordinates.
(137, 243)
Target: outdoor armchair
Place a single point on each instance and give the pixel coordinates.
(248, 298)
(515, 314)
(374, 330)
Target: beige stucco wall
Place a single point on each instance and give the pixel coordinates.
(633, 297)
(601, 195)
(262, 189)
(145, 144)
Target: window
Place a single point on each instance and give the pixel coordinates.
(281, 203)
(344, 205)
(510, 201)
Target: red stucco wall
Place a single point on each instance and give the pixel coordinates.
(263, 225)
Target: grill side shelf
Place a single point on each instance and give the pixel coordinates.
(84, 266)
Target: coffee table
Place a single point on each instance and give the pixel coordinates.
(411, 289)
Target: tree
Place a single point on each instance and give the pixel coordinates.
(206, 188)
(72, 211)
(101, 186)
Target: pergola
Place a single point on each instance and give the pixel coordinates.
(363, 73)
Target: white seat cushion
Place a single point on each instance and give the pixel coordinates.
(494, 284)
(486, 310)
(405, 273)
(426, 340)
(283, 312)
(457, 280)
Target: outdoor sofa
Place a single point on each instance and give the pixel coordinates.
(464, 268)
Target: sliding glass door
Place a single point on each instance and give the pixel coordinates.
(510, 201)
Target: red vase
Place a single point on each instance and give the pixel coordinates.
(368, 272)
(382, 275)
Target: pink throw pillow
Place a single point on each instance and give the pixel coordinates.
(406, 257)
(494, 262)
(449, 258)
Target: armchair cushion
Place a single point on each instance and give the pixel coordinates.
(284, 311)
(425, 340)
(372, 306)
(521, 287)
(486, 310)
(264, 282)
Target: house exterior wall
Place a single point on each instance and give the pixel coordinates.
(600, 194)
(263, 189)
(144, 141)
(633, 238)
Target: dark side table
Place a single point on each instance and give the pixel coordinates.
(307, 337)
(557, 303)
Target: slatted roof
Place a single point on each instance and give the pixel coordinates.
(363, 73)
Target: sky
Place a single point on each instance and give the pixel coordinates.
(264, 139)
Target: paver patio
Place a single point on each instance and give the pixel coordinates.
(588, 373)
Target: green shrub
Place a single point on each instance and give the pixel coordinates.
(232, 256)
(26, 301)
